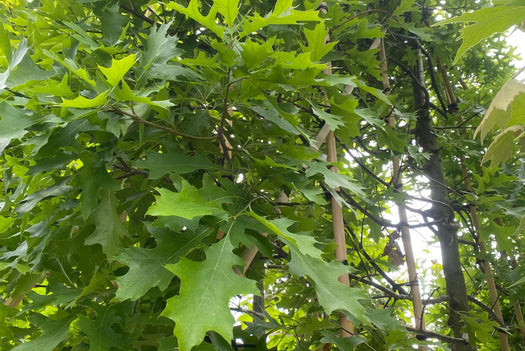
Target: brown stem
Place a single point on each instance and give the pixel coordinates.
(504, 341)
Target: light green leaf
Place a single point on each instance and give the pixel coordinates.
(404, 6)
(206, 289)
(302, 61)
(82, 102)
(333, 179)
(187, 203)
(316, 42)
(254, 53)
(193, 12)
(53, 333)
(52, 87)
(108, 225)
(498, 114)
(5, 43)
(487, 21)
(333, 121)
(502, 148)
(126, 94)
(332, 294)
(304, 243)
(229, 9)
(118, 69)
(283, 13)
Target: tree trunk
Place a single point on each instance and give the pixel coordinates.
(441, 210)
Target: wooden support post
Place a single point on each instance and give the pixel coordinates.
(347, 327)
(521, 322)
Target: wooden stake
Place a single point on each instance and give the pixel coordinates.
(347, 327)
(521, 322)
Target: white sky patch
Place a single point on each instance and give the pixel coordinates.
(516, 38)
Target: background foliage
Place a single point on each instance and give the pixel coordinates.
(146, 145)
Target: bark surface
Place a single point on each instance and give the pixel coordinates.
(441, 210)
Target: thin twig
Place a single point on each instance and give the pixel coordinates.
(161, 127)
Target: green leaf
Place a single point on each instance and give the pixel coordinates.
(72, 66)
(307, 261)
(112, 24)
(108, 225)
(29, 202)
(206, 289)
(118, 69)
(187, 203)
(332, 294)
(159, 47)
(82, 36)
(82, 102)
(13, 122)
(53, 333)
(487, 21)
(146, 266)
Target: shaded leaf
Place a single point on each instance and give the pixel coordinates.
(108, 226)
(146, 266)
(53, 333)
(13, 122)
(174, 161)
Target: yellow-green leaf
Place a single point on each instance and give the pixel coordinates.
(118, 69)
(82, 102)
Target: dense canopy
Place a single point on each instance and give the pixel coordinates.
(252, 175)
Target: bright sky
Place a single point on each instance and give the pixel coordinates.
(517, 39)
